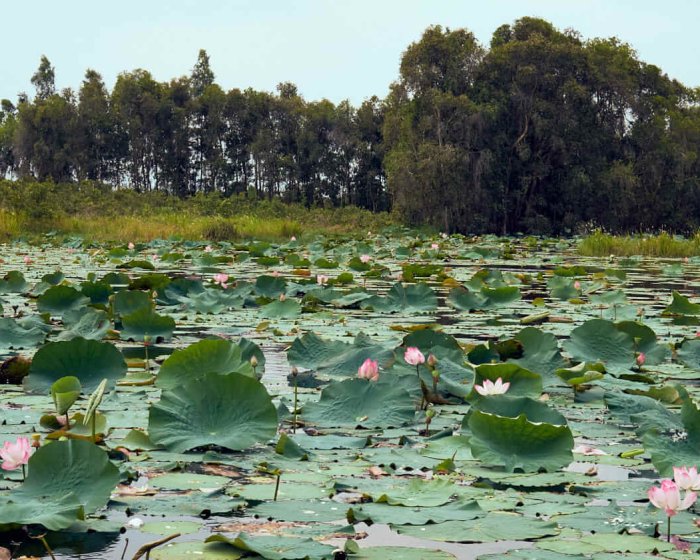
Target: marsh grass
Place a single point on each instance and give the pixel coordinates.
(661, 245)
(102, 214)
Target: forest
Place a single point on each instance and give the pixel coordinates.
(541, 131)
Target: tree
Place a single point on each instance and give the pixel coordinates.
(44, 79)
(202, 75)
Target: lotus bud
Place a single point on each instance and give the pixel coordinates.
(283, 297)
(36, 441)
(253, 361)
(641, 358)
(432, 361)
(295, 372)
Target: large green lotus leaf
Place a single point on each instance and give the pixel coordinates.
(512, 407)
(611, 297)
(147, 323)
(233, 411)
(689, 353)
(318, 511)
(486, 298)
(188, 550)
(212, 301)
(88, 360)
(333, 357)
(359, 402)
(540, 352)
(495, 526)
(590, 544)
(72, 466)
(278, 548)
(126, 302)
(681, 305)
(562, 288)
(270, 286)
(54, 513)
(86, 323)
(523, 382)
(416, 298)
(645, 340)
(98, 292)
(599, 340)
(519, 433)
(419, 493)
(460, 510)
(642, 412)
(59, 299)
(668, 451)
(17, 334)
(281, 309)
(206, 356)
(13, 283)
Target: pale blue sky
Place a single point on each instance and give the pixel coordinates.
(329, 48)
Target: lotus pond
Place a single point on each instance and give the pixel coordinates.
(210, 393)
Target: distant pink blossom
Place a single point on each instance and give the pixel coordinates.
(413, 356)
(293, 238)
(640, 359)
(221, 279)
(208, 249)
(577, 285)
(435, 246)
(368, 370)
(131, 246)
(27, 260)
(491, 388)
(588, 450)
(321, 279)
(365, 258)
(16, 454)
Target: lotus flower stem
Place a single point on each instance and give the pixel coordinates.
(277, 485)
(67, 421)
(668, 529)
(24, 473)
(94, 425)
(42, 538)
(296, 401)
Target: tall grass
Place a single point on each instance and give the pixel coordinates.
(662, 245)
(101, 214)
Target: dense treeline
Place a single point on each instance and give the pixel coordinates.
(540, 132)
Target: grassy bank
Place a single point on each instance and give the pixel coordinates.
(661, 245)
(101, 214)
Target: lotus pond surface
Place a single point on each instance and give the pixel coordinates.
(210, 393)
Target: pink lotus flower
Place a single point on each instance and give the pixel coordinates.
(588, 450)
(131, 246)
(208, 249)
(27, 260)
(365, 258)
(221, 280)
(687, 478)
(435, 246)
(14, 455)
(413, 356)
(640, 359)
(293, 238)
(668, 497)
(321, 279)
(491, 388)
(368, 370)
(577, 285)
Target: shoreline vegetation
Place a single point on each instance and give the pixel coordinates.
(99, 213)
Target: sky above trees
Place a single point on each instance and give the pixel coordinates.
(329, 49)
